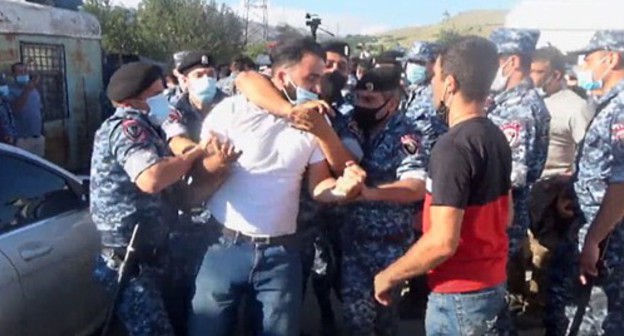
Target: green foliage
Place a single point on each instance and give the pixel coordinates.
(158, 28)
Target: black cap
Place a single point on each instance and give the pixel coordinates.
(195, 58)
(380, 79)
(337, 47)
(131, 80)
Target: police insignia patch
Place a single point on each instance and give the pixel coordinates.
(134, 130)
(410, 144)
(355, 129)
(175, 115)
(617, 130)
(370, 86)
(512, 132)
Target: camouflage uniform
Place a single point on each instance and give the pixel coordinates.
(228, 84)
(7, 124)
(600, 163)
(189, 240)
(125, 145)
(521, 114)
(375, 234)
(174, 95)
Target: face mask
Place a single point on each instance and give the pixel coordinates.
(332, 85)
(586, 79)
(204, 88)
(159, 109)
(4, 91)
(500, 81)
(300, 94)
(368, 118)
(416, 74)
(22, 79)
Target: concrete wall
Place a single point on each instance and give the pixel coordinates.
(69, 141)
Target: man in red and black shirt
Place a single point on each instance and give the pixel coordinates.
(467, 205)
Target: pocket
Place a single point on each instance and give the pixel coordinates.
(478, 312)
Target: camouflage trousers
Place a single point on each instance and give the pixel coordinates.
(140, 306)
(597, 310)
(361, 261)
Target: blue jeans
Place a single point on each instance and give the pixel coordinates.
(269, 276)
(474, 313)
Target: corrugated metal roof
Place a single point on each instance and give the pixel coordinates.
(20, 17)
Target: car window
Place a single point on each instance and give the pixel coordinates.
(31, 193)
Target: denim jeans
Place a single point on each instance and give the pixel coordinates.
(474, 313)
(269, 276)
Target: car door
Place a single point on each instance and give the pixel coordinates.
(11, 298)
(52, 243)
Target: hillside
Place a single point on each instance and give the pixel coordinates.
(478, 22)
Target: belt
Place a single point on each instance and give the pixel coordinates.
(279, 240)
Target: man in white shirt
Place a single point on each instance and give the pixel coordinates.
(256, 208)
(570, 114)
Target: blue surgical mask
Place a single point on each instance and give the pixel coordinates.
(204, 88)
(301, 95)
(416, 74)
(586, 79)
(22, 79)
(159, 109)
(4, 91)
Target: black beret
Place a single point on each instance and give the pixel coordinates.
(131, 80)
(195, 58)
(337, 47)
(380, 79)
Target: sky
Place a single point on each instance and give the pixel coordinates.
(364, 16)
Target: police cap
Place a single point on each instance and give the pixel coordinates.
(381, 79)
(131, 80)
(193, 59)
(511, 41)
(610, 40)
(338, 47)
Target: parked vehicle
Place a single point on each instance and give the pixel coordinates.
(48, 248)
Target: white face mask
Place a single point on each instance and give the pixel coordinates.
(301, 95)
(500, 81)
(159, 109)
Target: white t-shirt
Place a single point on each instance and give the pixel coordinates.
(570, 115)
(261, 196)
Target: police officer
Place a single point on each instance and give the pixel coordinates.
(594, 305)
(418, 72)
(518, 110)
(378, 229)
(132, 174)
(7, 124)
(196, 72)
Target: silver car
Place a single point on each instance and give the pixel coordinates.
(48, 246)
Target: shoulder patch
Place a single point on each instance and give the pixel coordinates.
(134, 130)
(512, 132)
(175, 116)
(410, 143)
(617, 131)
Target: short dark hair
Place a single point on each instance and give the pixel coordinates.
(15, 65)
(553, 56)
(473, 62)
(292, 50)
(525, 61)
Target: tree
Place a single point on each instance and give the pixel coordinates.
(174, 25)
(118, 24)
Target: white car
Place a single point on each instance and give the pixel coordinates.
(48, 248)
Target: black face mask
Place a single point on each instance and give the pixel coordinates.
(367, 117)
(331, 86)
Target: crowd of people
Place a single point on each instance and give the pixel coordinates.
(473, 164)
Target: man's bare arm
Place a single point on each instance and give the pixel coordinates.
(260, 91)
(167, 171)
(404, 191)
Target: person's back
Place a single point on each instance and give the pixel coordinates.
(481, 256)
(570, 116)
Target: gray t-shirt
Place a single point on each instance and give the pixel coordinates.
(570, 116)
